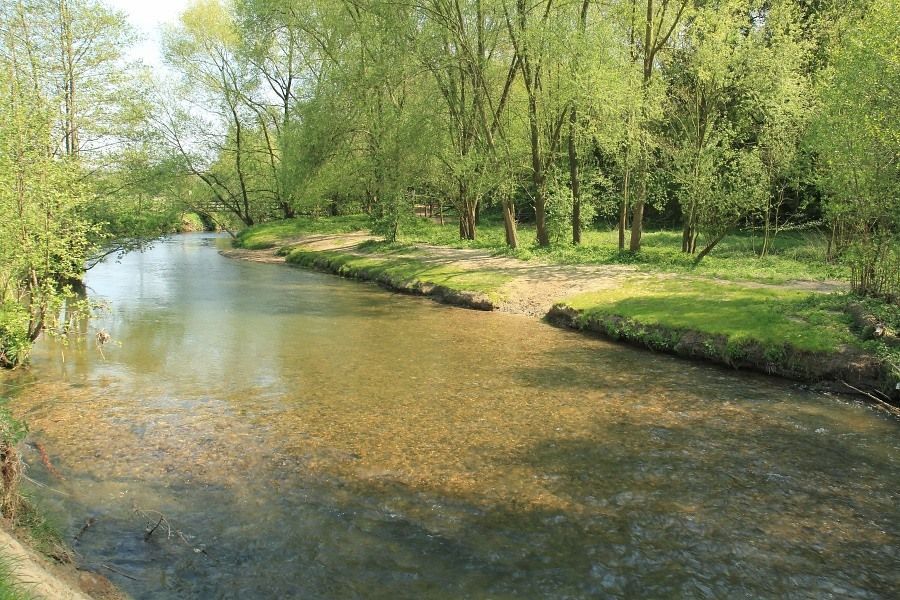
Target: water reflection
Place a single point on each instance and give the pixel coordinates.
(311, 437)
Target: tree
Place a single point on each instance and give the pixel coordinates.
(457, 45)
(652, 25)
(218, 80)
(44, 240)
(855, 136)
(537, 32)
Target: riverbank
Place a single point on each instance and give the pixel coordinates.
(803, 330)
(28, 575)
(35, 561)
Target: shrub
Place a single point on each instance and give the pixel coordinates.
(15, 343)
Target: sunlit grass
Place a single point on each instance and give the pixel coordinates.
(772, 317)
(277, 233)
(10, 589)
(796, 255)
(404, 269)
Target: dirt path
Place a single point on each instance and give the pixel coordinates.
(534, 286)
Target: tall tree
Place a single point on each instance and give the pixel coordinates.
(652, 25)
(459, 46)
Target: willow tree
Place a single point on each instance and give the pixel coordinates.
(856, 139)
(652, 24)
(539, 34)
(288, 48)
(462, 44)
(213, 130)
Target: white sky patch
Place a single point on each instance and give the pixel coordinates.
(147, 16)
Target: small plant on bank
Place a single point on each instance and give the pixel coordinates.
(12, 432)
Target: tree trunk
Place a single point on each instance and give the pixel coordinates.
(537, 172)
(689, 235)
(573, 177)
(623, 210)
(710, 246)
(239, 167)
(470, 218)
(68, 60)
(540, 214)
(637, 216)
(509, 224)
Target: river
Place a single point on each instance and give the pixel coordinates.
(305, 436)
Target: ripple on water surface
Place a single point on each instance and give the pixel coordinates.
(306, 436)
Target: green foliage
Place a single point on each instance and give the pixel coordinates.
(15, 343)
(857, 142)
(44, 237)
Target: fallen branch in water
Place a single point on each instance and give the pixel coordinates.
(160, 521)
(45, 459)
(888, 407)
(87, 525)
(150, 530)
(118, 572)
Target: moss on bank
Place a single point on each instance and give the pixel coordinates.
(398, 269)
(803, 336)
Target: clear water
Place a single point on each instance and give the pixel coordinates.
(310, 437)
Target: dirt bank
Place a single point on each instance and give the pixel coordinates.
(43, 580)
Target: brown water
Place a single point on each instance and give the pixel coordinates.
(310, 437)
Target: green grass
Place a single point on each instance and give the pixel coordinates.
(771, 317)
(796, 255)
(10, 589)
(400, 265)
(43, 534)
(277, 233)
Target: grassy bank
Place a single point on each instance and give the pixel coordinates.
(408, 270)
(278, 233)
(804, 336)
(796, 255)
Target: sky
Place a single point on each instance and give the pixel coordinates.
(146, 16)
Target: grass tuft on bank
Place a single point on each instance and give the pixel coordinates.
(398, 266)
(279, 233)
(10, 588)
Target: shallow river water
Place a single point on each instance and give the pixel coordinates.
(310, 437)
